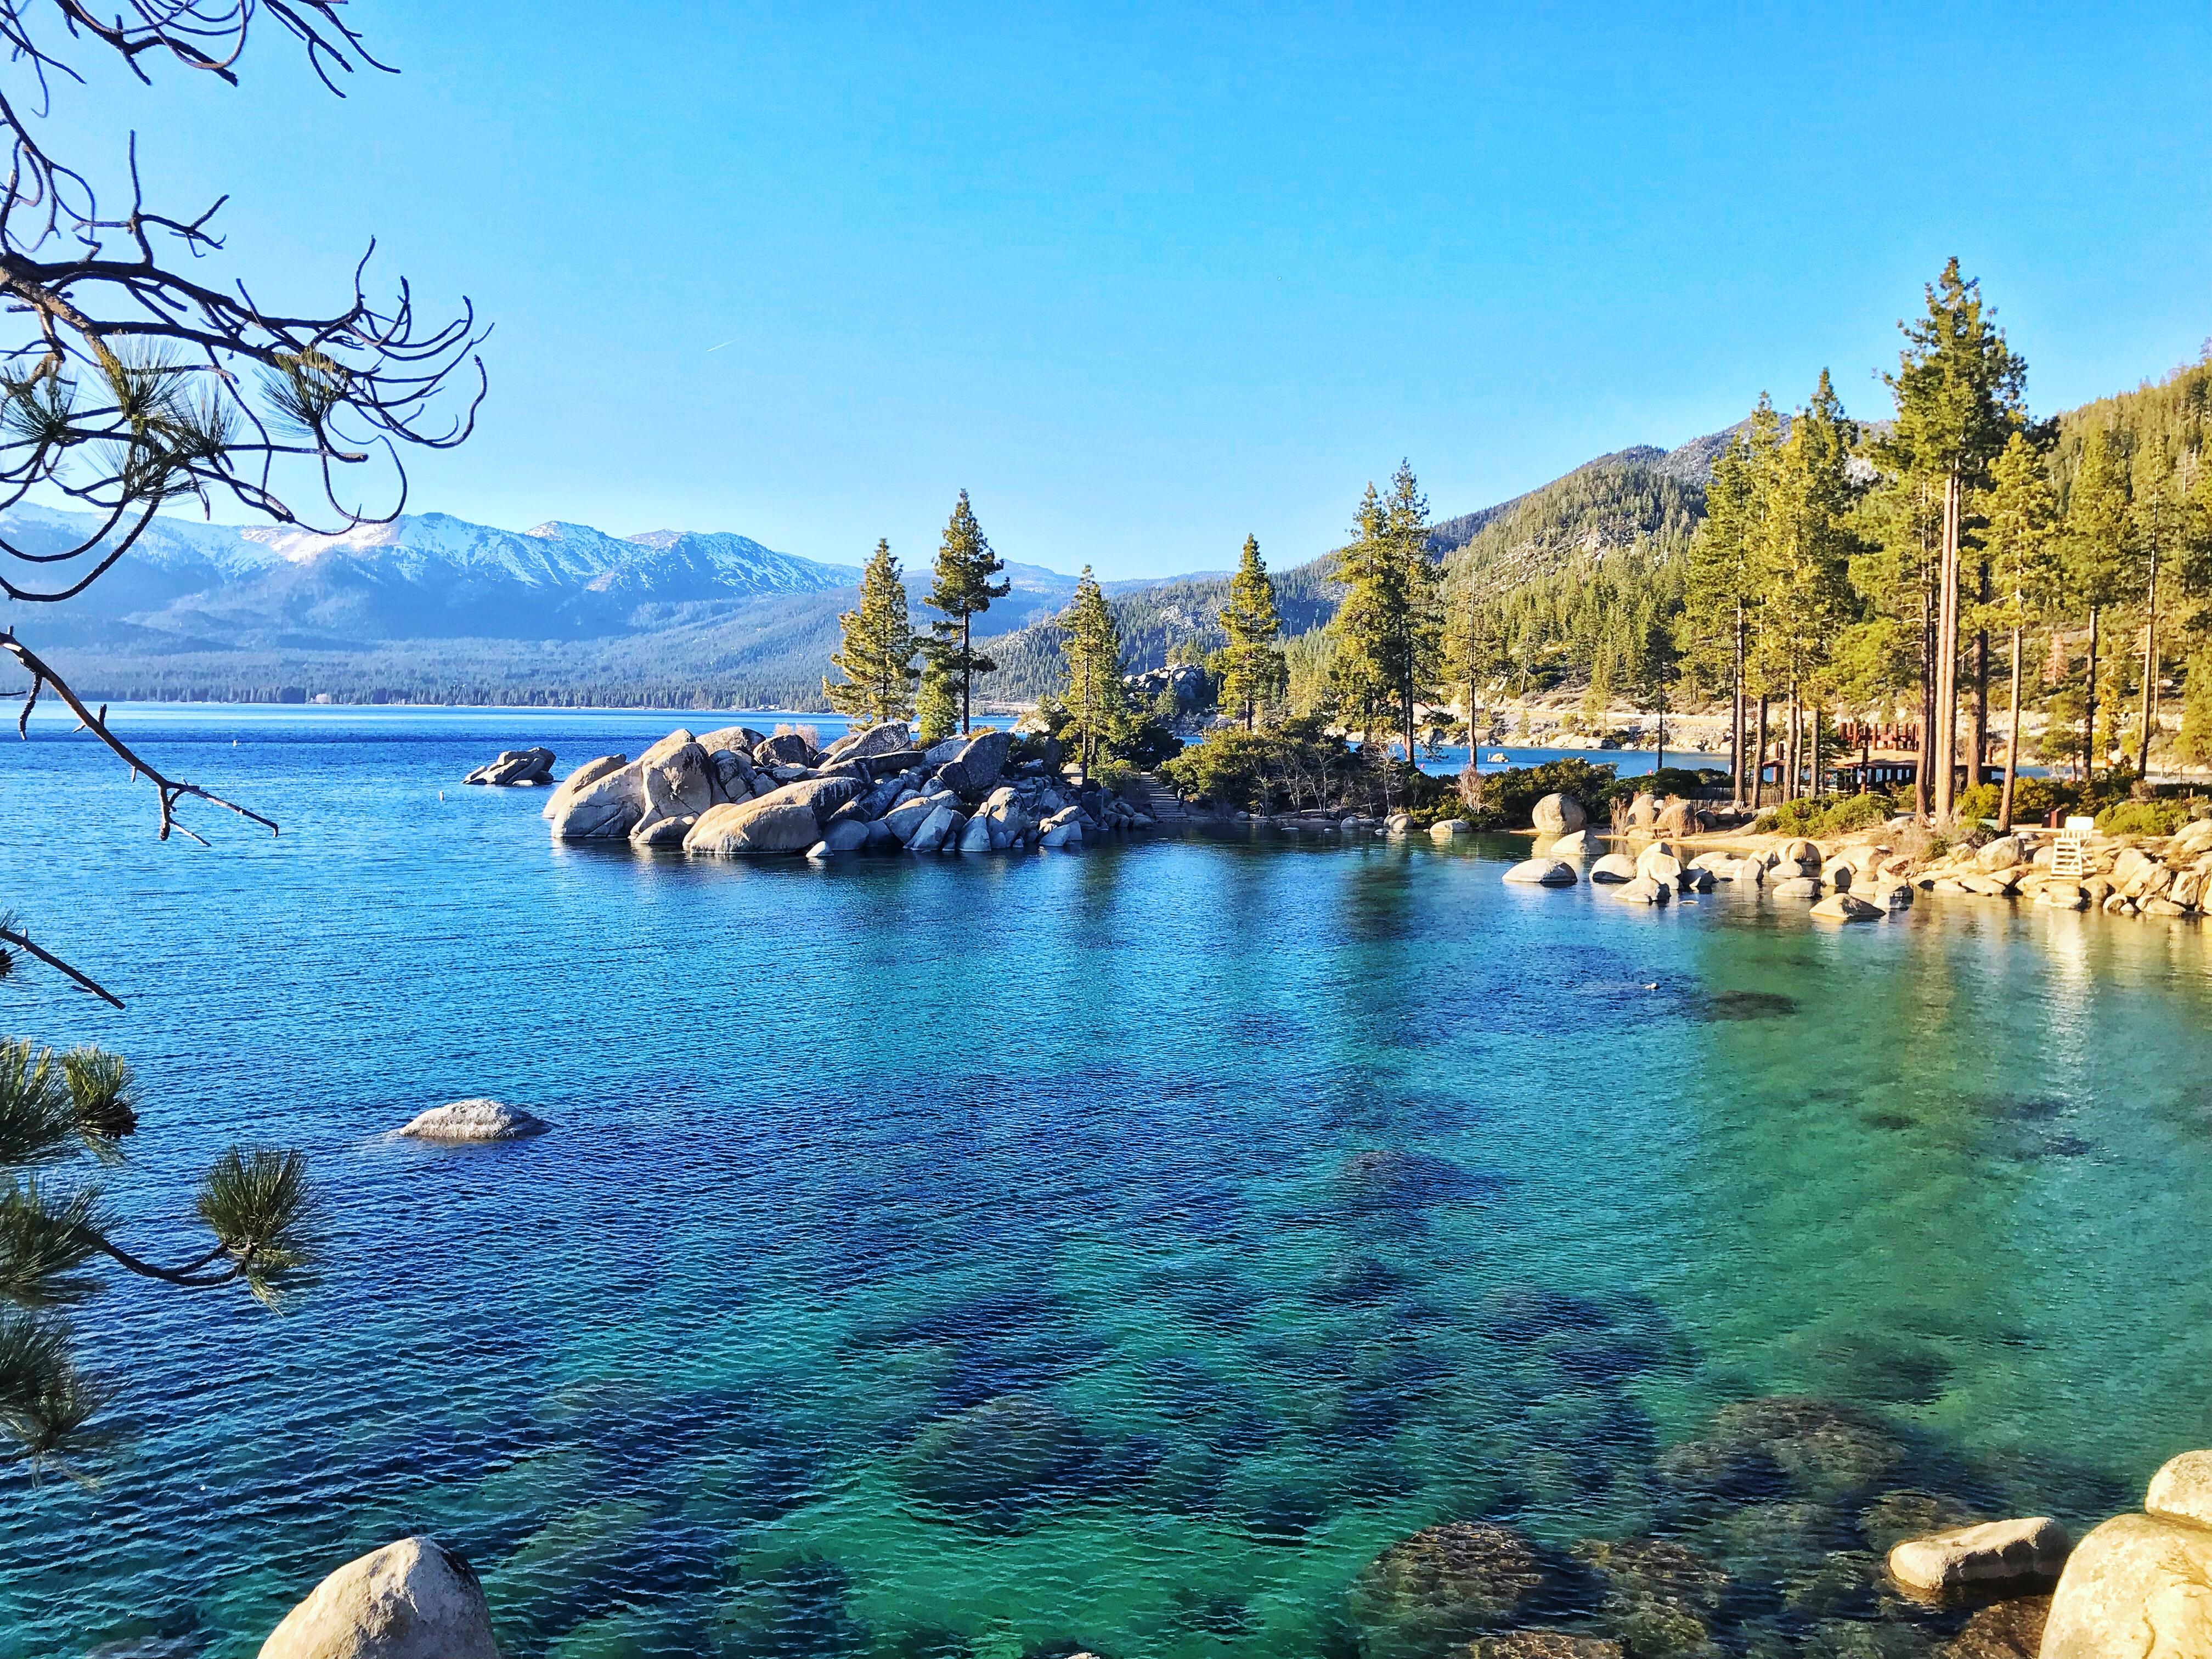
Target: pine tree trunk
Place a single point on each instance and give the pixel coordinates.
(1790, 748)
(1946, 658)
(1813, 785)
(1735, 713)
(2012, 743)
(1981, 745)
(1758, 765)
(1920, 780)
(2089, 706)
(2151, 667)
(967, 673)
(1660, 764)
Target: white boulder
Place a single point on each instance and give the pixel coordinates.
(463, 1123)
(1995, 1553)
(412, 1600)
(1542, 872)
(1556, 815)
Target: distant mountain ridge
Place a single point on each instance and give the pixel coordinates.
(430, 607)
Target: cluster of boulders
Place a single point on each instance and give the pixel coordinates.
(2160, 877)
(516, 769)
(737, 790)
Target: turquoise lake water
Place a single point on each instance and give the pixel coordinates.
(1114, 1250)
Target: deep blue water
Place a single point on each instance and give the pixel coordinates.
(1116, 1247)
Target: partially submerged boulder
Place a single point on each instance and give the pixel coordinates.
(1644, 890)
(580, 780)
(516, 769)
(412, 1600)
(766, 826)
(1996, 1552)
(1614, 866)
(463, 1123)
(1543, 872)
(1574, 844)
(1450, 828)
(1443, 1584)
(1846, 907)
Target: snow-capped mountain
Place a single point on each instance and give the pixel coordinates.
(426, 575)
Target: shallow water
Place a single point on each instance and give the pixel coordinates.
(1117, 1247)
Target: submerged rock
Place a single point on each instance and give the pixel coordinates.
(1403, 1181)
(1542, 1644)
(2016, 1553)
(1444, 1584)
(1786, 1442)
(1660, 1597)
(478, 1119)
(2006, 1630)
(993, 1462)
(412, 1600)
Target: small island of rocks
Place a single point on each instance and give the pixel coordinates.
(736, 792)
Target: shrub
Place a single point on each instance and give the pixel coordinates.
(1813, 818)
(1507, 799)
(2143, 818)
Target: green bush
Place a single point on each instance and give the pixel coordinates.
(2143, 818)
(1811, 817)
(1506, 800)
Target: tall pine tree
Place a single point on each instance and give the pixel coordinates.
(2020, 516)
(963, 590)
(1091, 646)
(1389, 626)
(2099, 546)
(877, 654)
(1253, 674)
(1960, 398)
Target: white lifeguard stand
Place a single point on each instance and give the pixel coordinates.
(2068, 853)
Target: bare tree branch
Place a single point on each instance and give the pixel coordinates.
(21, 941)
(170, 790)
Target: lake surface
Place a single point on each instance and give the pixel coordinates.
(1115, 1249)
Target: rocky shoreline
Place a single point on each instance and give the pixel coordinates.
(1878, 872)
(736, 792)
(1895, 1572)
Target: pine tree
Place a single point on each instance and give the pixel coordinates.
(877, 654)
(963, 590)
(2100, 544)
(1388, 627)
(1253, 672)
(2020, 515)
(936, 711)
(1958, 390)
(1803, 552)
(257, 1207)
(1090, 645)
(1722, 594)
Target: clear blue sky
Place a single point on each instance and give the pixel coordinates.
(1145, 278)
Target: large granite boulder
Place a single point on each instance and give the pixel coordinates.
(2138, 1586)
(1678, 817)
(606, 810)
(903, 819)
(516, 769)
(1644, 889)
(929, 835)
(1557, 815)
(766, 826)
(679, 781)
(821, 796)
(412, 1600)
(580, 780)
(1642, 809)
(784, 749)
(468, 1121)
(2182, 1490)
(974, 772)
(733, 775)
(739, 739)
(869, 743)
(1994, 1554)
(1614, 866)
(1658, 864)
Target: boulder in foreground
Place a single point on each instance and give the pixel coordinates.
(2141, 1585)
(412, 1600)
(465, 1122)
(1558, 814)
(1996, 1552)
